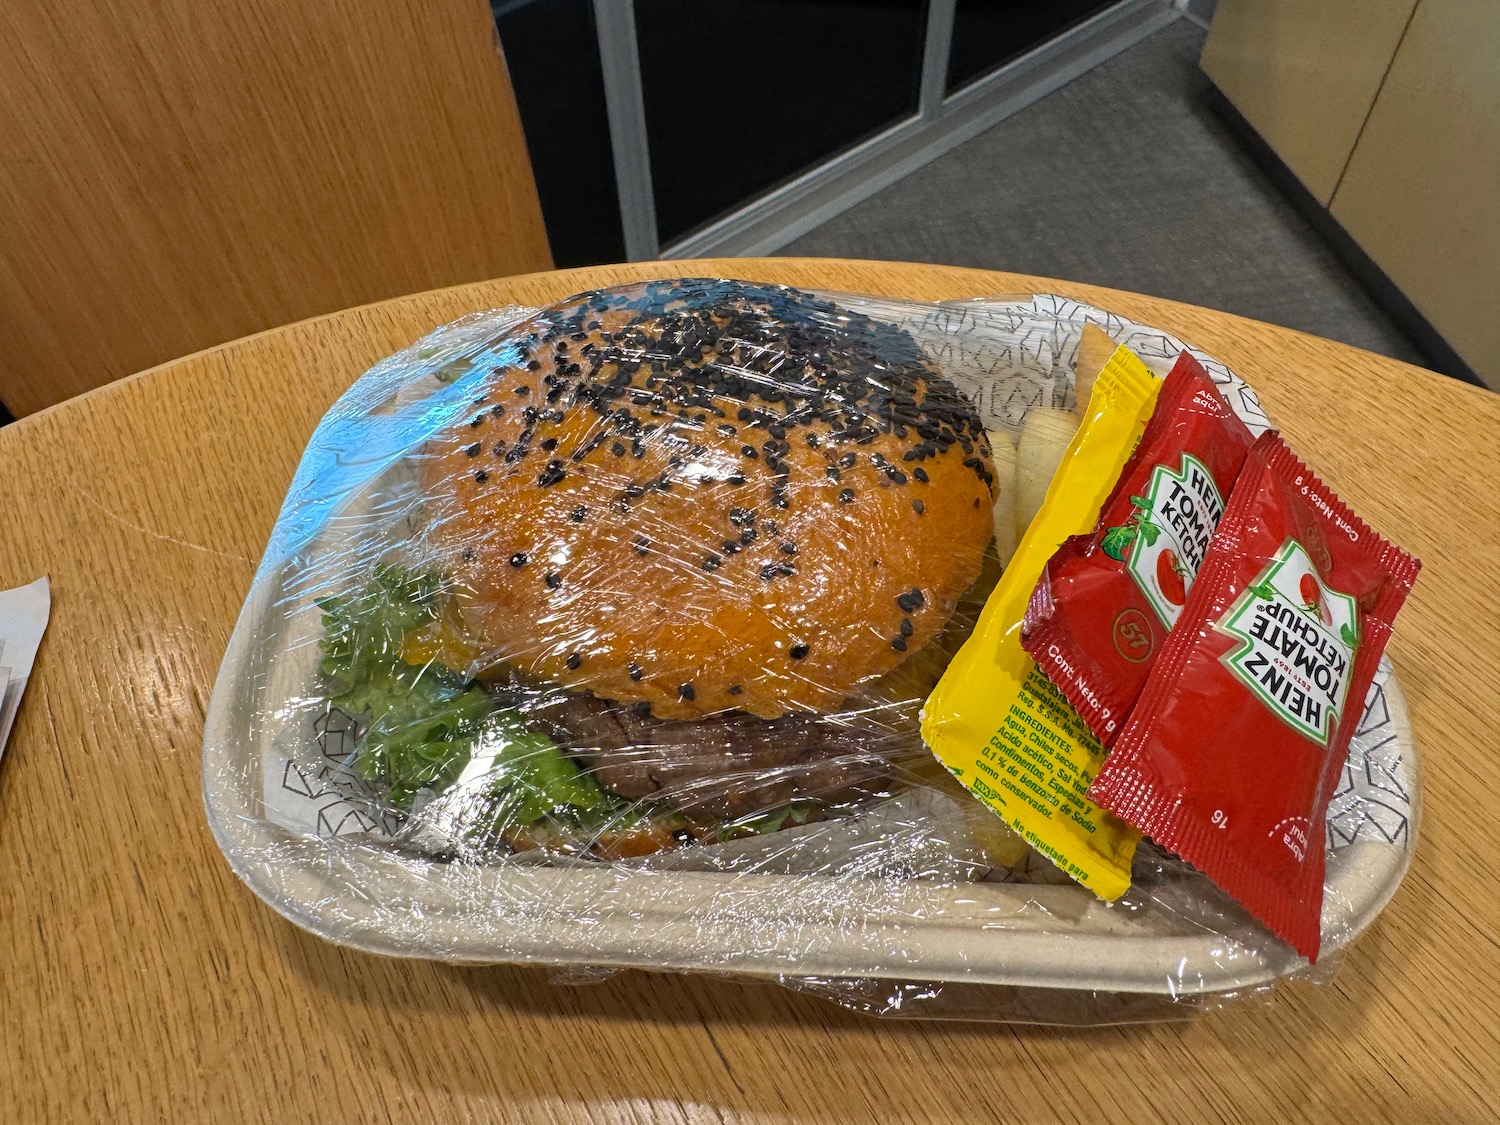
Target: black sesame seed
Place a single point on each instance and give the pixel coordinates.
(846, 496)
(789, 548)
(711, 562)
(906, 626)
(911, 602)
(549, 444)
(522, 390)
(519, 559)
(918, 507)
(847, 460)
(730, 547)
(481, 476)
(476, 420)
(685, 691)
(633, 670)
(726, 430)
(736, 478)
(797, 651)
(472, 450)
(551, 474)
(578, 514)
(735, 689)
(920, 473)
(749, 451)
(643, 709)
(618, 449)
(898, 643)
(642, 545)
(573, 661)
(553, 581)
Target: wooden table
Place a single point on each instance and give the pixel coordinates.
(140, 981)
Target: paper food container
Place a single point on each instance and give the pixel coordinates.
(851, 908)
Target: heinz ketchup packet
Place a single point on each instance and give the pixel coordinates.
(1234, 748)
(1106, 601)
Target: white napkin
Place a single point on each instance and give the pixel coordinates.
(23, 620)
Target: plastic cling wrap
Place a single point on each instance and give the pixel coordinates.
(597, 636)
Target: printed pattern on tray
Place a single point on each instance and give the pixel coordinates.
(1373, 799)
(319, 794)
(1018, 354)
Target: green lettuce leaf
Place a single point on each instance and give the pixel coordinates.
(421, 724)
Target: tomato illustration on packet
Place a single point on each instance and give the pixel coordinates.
(1170, 575)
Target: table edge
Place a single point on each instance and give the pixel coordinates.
(683, 267)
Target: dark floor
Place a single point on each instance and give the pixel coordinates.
(1126, 178)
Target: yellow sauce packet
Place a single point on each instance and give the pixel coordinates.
(995, 720)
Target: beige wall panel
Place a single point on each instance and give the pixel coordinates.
(1422, 191)
(1304, 73)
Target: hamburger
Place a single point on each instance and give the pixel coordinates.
(685, 540)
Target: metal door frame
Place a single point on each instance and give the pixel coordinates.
(942, 121)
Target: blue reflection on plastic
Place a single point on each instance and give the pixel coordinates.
(355, 442)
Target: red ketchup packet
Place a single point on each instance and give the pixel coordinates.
(1239, 737)
(1107, 600)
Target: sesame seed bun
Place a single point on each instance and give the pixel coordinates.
(699, 496)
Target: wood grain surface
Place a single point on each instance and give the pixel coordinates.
(177, 173)
(139, 981)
